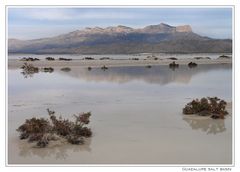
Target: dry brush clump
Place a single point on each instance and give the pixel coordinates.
(210, 106)
(29, 59)
(47, 69)
(88, 58)
(104, 58)
(42, 131)
(104, 67)
(64, 59)
(192, 65)
(172, 58)
(50, 58)
(28, 70)
(202, 58)
(173, 65)
(134, 58)
(224, 57)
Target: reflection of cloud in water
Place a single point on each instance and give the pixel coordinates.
(59, 151)
(205, 124)
(157, 74)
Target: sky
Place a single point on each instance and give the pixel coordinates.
(33, 23)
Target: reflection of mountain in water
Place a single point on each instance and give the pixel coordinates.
(156, 74)
(210, 126)
(59, 151)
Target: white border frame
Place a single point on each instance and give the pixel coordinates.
(126, 6)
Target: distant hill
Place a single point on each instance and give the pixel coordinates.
(124, 40)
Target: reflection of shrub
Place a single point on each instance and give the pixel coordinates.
(66, 69)
(28, 70)
(206, 125)
(148, 66)
(211, 106)
(48, 69)
(43, 130)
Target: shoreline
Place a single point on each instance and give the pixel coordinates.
(15, 63)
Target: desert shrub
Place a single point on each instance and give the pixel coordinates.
(202, 58)
(172, 58)
(43, 130)
(73, 139)
(104, 58)
(48, 69)
(192, 65)
(198, 58)
(28, 70)
(42, 142)
(89, 58)
(173, 65)
(34, 125)
(29, 59)
(224, 57)
(64, 59)
(210, 106)
(50, 58)
(134, 58)
(104, 68)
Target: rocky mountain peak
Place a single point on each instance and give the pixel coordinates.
(165, 28)
(159, 28)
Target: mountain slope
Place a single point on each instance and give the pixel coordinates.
(123, 40)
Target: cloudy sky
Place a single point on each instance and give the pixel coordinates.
(31, 23)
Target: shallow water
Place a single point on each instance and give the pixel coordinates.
(136, 114)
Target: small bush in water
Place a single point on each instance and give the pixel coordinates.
(50, 58)
(28, 70)
(47, 69)
(43, 131)
(210, 106)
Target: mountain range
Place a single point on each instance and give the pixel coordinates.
(161, 38)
